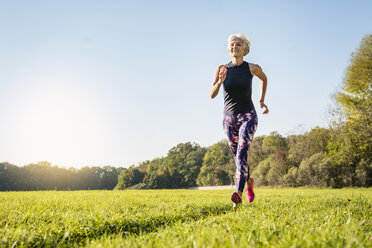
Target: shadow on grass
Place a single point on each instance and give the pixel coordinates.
(126, 227)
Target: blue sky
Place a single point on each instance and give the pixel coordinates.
(93, 83)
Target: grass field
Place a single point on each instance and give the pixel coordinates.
(185, 218)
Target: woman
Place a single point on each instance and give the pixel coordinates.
(240, 118)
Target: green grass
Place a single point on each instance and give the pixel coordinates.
(183, 218)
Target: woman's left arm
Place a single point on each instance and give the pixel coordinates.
(256, 70)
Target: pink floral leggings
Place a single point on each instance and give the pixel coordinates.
(240, 130)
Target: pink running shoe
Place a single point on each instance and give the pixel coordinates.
(249, 191)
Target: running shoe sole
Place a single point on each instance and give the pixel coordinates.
(235, 198)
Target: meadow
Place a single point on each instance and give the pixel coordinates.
(285, 217)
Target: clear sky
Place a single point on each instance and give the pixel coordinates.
(94, 83)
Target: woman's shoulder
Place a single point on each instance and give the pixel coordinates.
(254, 68)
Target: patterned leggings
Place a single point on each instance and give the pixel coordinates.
(239, 130)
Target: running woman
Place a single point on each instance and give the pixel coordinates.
(239, 118)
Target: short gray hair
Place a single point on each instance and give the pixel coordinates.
(244, 38)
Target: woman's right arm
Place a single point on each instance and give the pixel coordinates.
(219, 78)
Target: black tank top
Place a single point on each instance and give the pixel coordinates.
(237, 89)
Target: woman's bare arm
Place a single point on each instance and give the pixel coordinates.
(219, 78)
(256, 70)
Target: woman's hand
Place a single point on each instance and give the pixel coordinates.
(222, 74)
(263, 105)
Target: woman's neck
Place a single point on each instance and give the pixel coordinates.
(237, 60)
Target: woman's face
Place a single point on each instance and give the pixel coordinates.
(236, 47)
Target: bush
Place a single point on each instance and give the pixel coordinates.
(260, 172)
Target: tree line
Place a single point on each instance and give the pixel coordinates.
(44, 176)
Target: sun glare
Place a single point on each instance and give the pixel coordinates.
(59, 123)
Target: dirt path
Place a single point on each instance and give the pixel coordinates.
(214, 187)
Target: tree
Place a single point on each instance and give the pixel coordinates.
(256, 152)
(194, 162)
(278, 167)
(210, 176)
(272, 142)
(129, 177)
(217, 169)
(290, 179)
(3, 177)
(109, 177)
(260, 172)
(355, 96)
(305, 145)
(350, 145)
(178, 165)
(12, 177)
